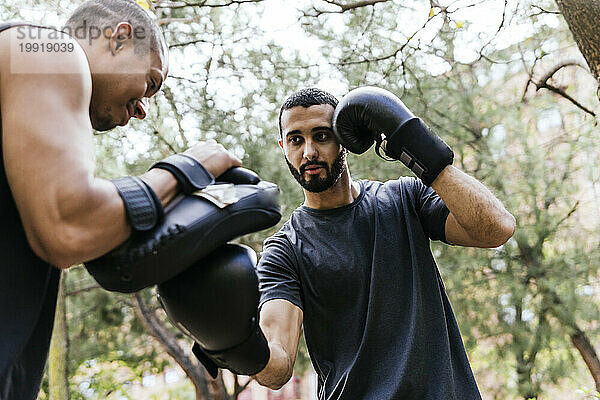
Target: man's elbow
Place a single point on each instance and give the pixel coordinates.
(61, 248)
(506, 226)
(52, 254)
(275, 381)
(278, 370)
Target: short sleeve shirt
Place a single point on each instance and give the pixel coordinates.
(377, 321)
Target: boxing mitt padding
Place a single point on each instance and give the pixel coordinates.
(215, 302)
(192, 227)
(369, 114)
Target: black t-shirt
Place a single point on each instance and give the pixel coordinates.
(377, 321)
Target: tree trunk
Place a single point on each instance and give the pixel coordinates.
(585, 348)
(217, 389)
(582, 17)
(159, 331)
(578, 338)
(59, 349)
(524, 381)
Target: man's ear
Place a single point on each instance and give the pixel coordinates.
(122, 33)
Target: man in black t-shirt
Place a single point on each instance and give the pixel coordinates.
(353, 264)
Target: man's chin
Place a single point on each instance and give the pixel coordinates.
(316, 189)
(316, 185)
(103, 126)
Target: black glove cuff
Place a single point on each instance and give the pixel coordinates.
(190, 174)
(247, 358)
(419, 149)
(142, 206)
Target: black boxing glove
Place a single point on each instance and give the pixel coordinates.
(369, 114)
(215, 302)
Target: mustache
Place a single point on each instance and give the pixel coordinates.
(313, 163)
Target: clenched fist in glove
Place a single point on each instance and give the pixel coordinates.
(215, 302)
(370, 114)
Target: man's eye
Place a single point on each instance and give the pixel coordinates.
(322, 136)
(151, 88)
(294, 140)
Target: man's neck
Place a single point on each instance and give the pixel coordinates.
(343, 192)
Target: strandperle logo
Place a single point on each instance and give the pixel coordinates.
(85, 32)
(46, 45)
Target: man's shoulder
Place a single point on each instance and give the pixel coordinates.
(402, 183)
(27, 48)
(283, 234)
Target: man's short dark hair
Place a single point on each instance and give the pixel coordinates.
(100, 14)
(306, 98)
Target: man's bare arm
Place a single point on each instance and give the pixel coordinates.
(477, 218)
(68, 214)
(281, 323)
(49, 160)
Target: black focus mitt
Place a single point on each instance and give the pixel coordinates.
(236, 204)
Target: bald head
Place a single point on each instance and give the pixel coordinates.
(96, 18)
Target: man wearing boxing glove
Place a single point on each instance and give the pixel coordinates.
(353, 264)
(215, 302)
(55, 88)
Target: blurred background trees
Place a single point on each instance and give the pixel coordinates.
(511, 85)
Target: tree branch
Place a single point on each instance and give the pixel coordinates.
(183, 44)
(543, 83)
(159, 331)
(83, 289)
(183, 4)
(577, 336)
(542, 11)
(315, 12)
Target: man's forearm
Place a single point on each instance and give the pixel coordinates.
(278, 370)
(474, 207)
(163, 183)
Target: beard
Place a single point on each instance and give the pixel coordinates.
(316, 184)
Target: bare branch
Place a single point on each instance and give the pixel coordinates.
(182, 44)
(542, 11)
(543, 83)
(165, 141)
(183, 78)
(315, 12)
(559, 66)
(168, 93)
(497, 30)
(358, 4)
(160, 332)
(563, 219)
(83, 289)
(183, 4)
(240, 388)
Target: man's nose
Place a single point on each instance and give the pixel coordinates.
(310, 150)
